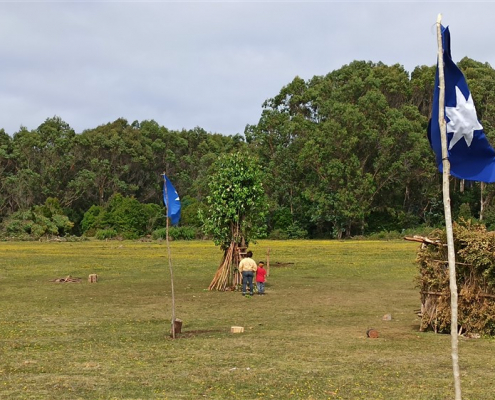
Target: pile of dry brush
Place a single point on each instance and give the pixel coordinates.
(475, 273)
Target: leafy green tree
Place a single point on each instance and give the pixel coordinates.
(337, 146)
(277, 139)
(236, 202)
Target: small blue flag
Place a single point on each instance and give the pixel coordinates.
(470, 154)
(171, 200)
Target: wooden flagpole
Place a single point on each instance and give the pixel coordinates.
(448, 215)
(169, 259)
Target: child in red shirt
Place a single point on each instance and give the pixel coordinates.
(260, 278)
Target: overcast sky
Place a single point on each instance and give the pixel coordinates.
(207, 64)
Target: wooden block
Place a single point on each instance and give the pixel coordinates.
(236, 329)
(93, 278)
(177, 327)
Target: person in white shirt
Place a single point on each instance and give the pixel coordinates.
(247, 267)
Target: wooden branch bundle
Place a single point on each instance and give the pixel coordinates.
(222, 276)
(475, 276)
(68, 278)
(488, 296)
(424, 240)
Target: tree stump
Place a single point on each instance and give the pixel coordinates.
(93, 278)
(372, 333)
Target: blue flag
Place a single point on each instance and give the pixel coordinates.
(171, 200)
(470, 154)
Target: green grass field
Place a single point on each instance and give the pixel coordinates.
(306, 339)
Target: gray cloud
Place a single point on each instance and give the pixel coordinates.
(204, 64)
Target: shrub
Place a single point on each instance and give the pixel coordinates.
(125, 215)
(102, 234)
(92, 220)
(292, 231)
(176, 233)
(46, 220)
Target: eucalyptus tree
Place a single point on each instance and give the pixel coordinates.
(57, 159)
(101, 163)
(43, 163)
(6, 169)
(278, 139)
(422, 85)
(345, 142)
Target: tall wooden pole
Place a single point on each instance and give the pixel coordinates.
(448, 215)
(482, 200)
(170, 260)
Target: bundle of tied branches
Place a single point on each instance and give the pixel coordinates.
(227, 276)
(68, 278)
(475, 274)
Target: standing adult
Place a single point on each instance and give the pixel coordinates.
(247, 267)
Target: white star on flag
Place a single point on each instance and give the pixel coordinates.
(463, 119)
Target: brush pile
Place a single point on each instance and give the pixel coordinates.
(228, 276)
(67, 279)
(475, 274)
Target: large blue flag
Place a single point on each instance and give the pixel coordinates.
(171, 200)
(470, 155)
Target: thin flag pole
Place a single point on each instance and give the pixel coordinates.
(170, 259)
(448, 215)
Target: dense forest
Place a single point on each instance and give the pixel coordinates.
(341, 155)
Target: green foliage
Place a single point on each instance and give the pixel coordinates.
(293, 231)
(124, 215)
(92, 220)
(465, 212)
(45, 220)
(190, 211)
(176, 233)
(489, 217)
(103, 234)
(281, 218)
(343, 154)
(343, 146)
(236, 202)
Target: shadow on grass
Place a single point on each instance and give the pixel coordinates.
(196, 333)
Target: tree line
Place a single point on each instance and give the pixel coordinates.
(340, 155)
